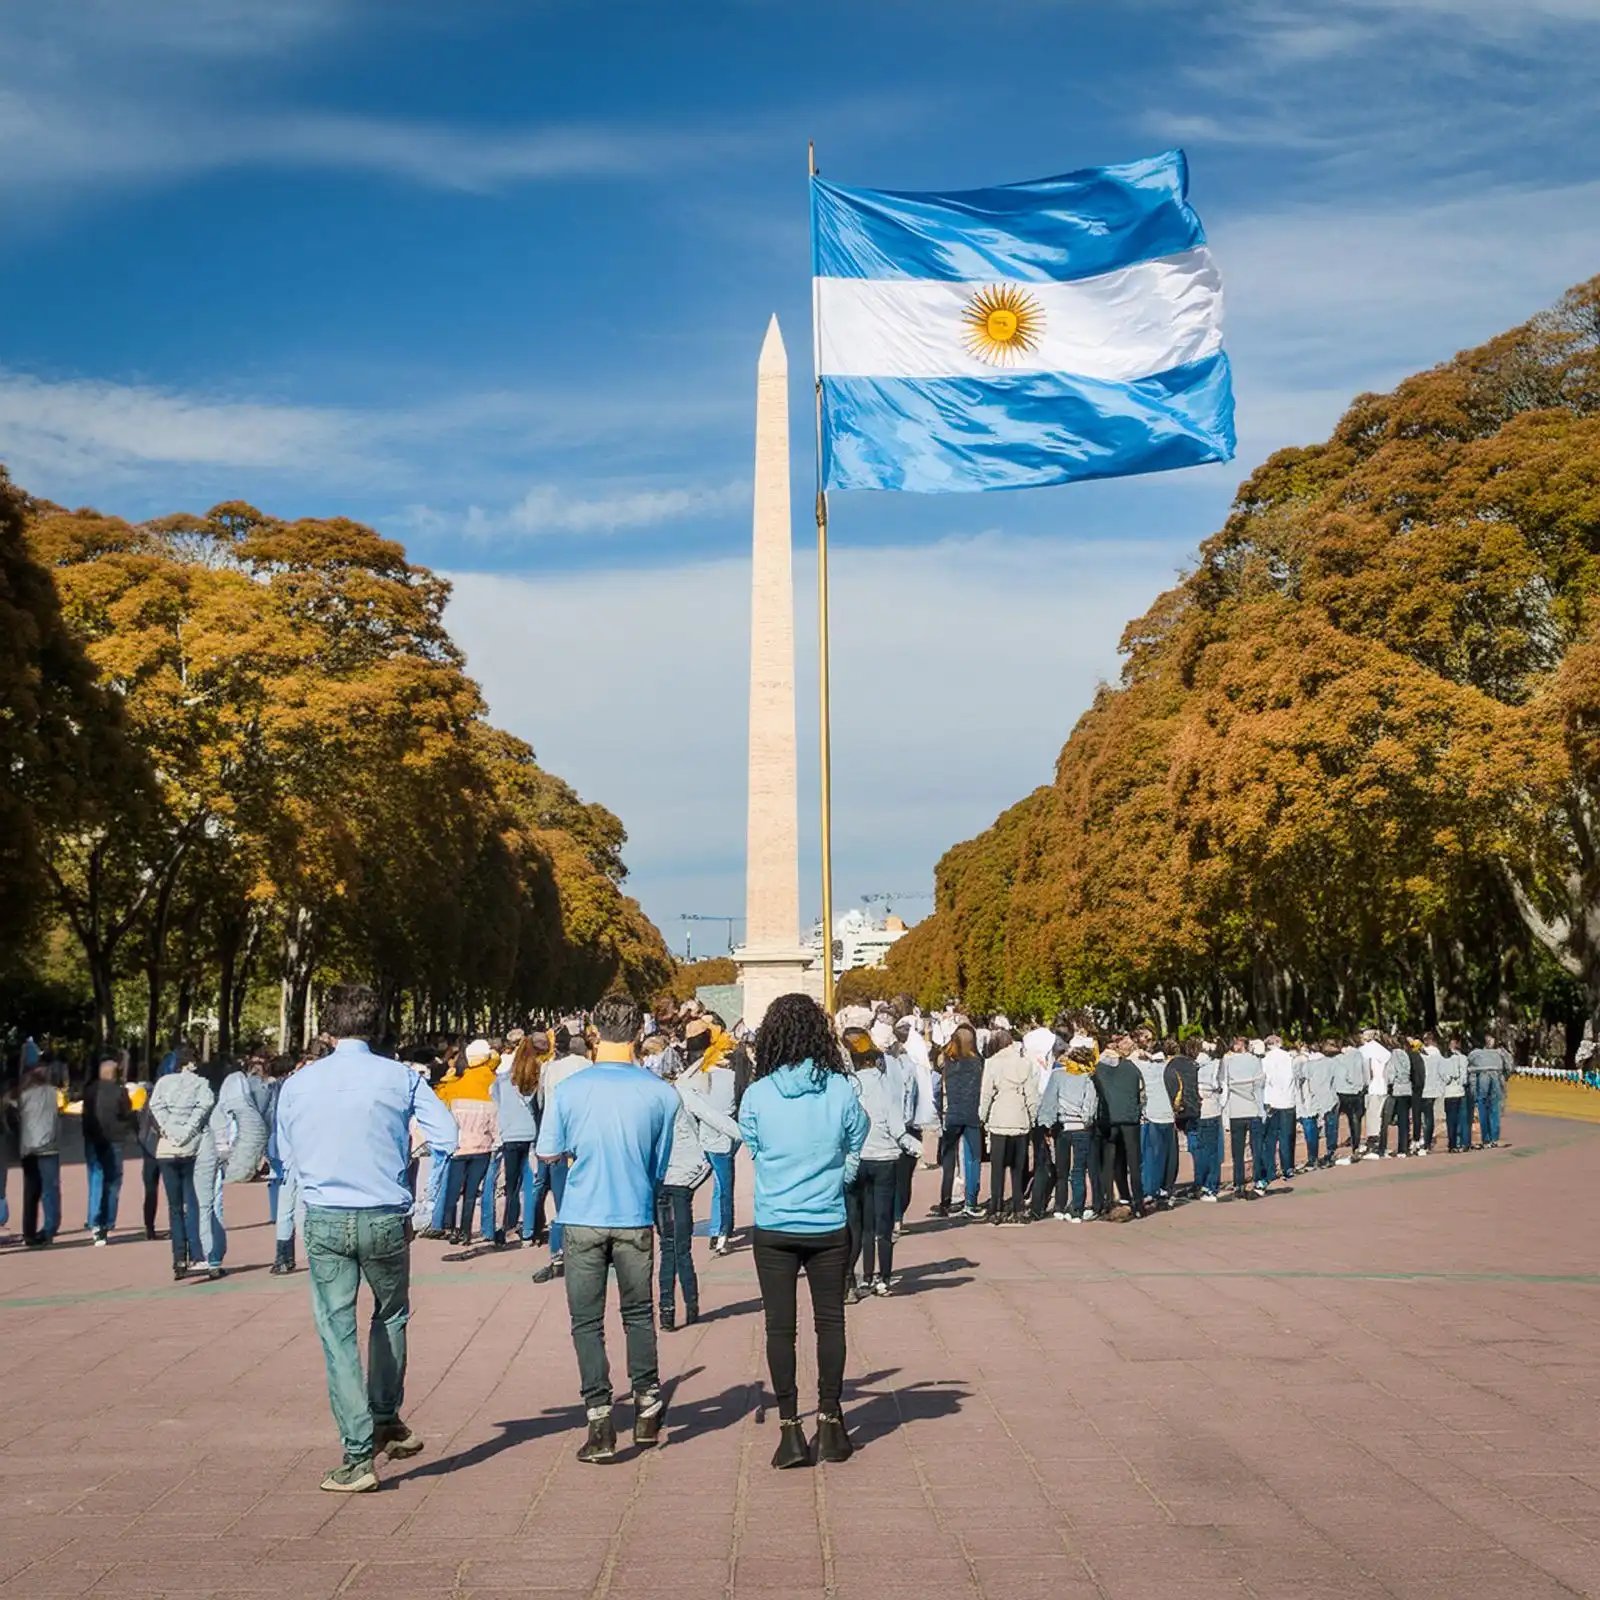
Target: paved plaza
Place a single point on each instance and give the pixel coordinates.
(1386, 1383)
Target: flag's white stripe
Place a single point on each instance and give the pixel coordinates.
(1139, 320)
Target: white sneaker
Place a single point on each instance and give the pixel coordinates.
(1343, 1161)
(1071, 1218)
(1399, 1155)
(1208, 1198)
(1088, 1215)
(1060, 1216)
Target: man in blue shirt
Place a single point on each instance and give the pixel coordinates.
(614, 1120)
(344, 1129)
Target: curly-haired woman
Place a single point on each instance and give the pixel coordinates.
(804, 1127)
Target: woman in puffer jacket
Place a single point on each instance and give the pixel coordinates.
(1007, 1105)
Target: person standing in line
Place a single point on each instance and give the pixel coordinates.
(1453, 1076)
(1241, 1082)
(961, 1133)
(1489, 1066)
(1350, 1078)
(614, 1122)
(572, 1056)
(470, 1099)
(107, 1121)
(1007, 1104)
(283, 1187)
(1419, 1076)
(1158, 1131)
(1068, 1108)
(1183, 1090)
(39, 1144)
(344, 1129)
(1397, 1109)
(804, 1127)
(1432, 1091)
(869, 1201)
(1376, 1055)
(1207, 1146)
(1318, 1106)
(516, 1099)
(921, 1114)
(709, 1051)
(180, 1107)
(689, 1167)
(1281, 1094)
(1119, 1089)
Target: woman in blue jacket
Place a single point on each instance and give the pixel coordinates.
(804, 1127)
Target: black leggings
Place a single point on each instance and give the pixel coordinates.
(869, 1208)
(1008, 1152)
(779, 1258)
(1353, 1109)
(1122, 1163)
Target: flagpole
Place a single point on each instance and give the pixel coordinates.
(825, 750)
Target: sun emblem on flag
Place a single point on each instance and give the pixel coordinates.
(1003, 324)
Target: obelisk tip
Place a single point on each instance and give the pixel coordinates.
(774, 358)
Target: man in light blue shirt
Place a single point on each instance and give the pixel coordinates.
(615, 1121)
(344, 1128)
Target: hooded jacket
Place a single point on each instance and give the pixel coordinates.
(1316, 1092)
(805, 1138)
(1350, 1072)
(1069, 1101)
(1432, 1073)
(1453, 1075)
(883, 1099)
(1009, 1097)
(697, 1118)
(1242, 1080)
(960, 1090)
(1398, 1075)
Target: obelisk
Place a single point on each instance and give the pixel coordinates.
(772, 961)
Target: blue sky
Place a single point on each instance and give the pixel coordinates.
(493, 277)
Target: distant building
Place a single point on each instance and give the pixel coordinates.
(859, 941)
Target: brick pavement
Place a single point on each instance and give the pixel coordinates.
(1385, 1383)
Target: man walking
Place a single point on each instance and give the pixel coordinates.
(344, 1128)
(615, 1121)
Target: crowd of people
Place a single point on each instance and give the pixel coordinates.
(593, 1135)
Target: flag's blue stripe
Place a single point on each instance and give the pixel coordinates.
(1023, 431)
(1076, 226)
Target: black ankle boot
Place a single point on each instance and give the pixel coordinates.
(793, 1450)
(833, 1441)
(601, 1445)
(283, 1261)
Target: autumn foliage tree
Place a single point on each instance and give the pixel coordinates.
(309, 784)
(1352, 769)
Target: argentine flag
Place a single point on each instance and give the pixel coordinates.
(1014, 337)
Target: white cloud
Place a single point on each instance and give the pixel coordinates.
(549, 509)
(958, 671)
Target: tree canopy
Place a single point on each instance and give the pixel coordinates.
(1353, 764)
(279, 765)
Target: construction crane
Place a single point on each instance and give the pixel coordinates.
(696, 916)
(885, 897)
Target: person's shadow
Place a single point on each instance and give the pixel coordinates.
(926, 1275)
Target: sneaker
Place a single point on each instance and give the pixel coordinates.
(99, 1237)
(351, 1477)
(1071, 1218)
(1060, 1216)
(793, 1449)
(971, 1211)
(896, 1230)
(1088, 1215)
(853, 1295)
(879, 1286)
(716, 1244)
(552, 1270)
(669, 1319)
(180, 1271)
(649, 1412)
(1261, 1188)
(395, 1440)
(939, 1211)
(1343, 1161)
(1208, 1198)
(214, 1273)
(1399, 1155)
(601, 1445)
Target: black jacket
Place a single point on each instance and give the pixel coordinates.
(960, 1085)
(1118, 1084)
(1187, 1071)
(107, 1113)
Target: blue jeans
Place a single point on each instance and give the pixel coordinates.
(721, 1193)
(1490, 1092)
(1279, 1143)
(208, 1180)
(343, 1248)
(41, 1188)
(1155, 1149)
(1457, 1134)
(462, 1183)
(1311, 1127)
(104, 1162)
(1074, 1149)
(517, 1156)
(969, 1142)
(1205, 1145)
(284, 1218)
(558, 1187)
(675, 1225)
(183, 1210)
